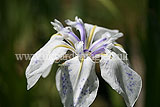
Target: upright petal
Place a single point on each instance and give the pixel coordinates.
(41, 63)
(57, 25)
(79, 25)
(99, 31)
(66, 32)
(77, 83)
(121, 77)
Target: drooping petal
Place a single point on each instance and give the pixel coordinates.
(121, 77)
(77, 82)
(41, 62)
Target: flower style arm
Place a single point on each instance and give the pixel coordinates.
(66, 32)
(79, 25)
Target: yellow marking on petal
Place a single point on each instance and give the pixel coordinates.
(65, 46)
(57, 34)
(71, 42)
(80, 69)
(90, 36)
(111, 57)
(118, 45)
(81, 65)
(103, 54)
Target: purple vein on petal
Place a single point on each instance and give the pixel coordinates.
(96, 43)
(99, 50)
(71, 33)
(82, 31)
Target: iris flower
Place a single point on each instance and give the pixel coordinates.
(76, 79)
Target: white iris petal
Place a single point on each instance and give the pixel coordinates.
(99, 31)
(121, 77)
(77, 88)
(40, 63)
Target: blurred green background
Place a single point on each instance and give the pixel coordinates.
(25, 27)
